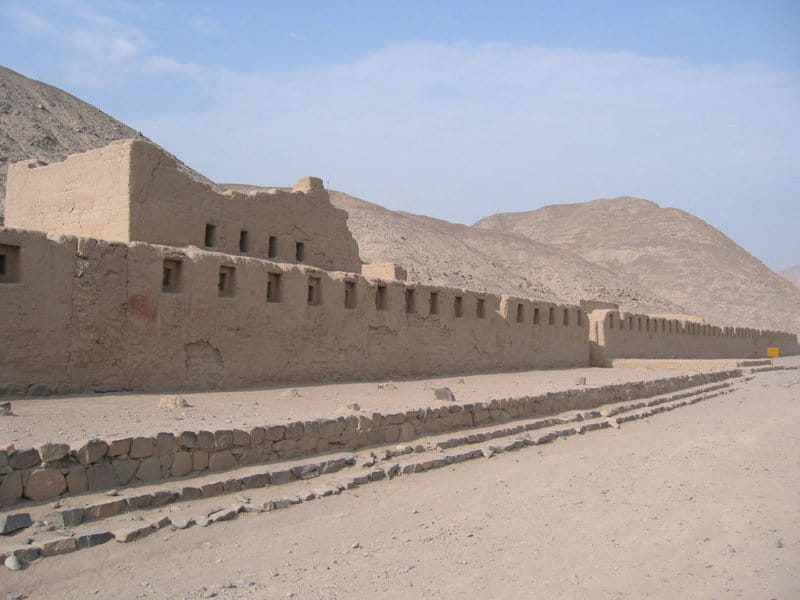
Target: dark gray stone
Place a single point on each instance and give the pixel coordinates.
(11, 522)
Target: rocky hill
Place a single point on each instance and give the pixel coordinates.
(668, 251)
(792, 274)
(39, 121)
(445, 253)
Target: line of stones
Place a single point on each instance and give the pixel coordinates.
(73, 516)
(54, 469)
(94, 537)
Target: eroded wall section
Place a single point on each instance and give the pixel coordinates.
(132, 190)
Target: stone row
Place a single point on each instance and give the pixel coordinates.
(55, 469)
(15, 558)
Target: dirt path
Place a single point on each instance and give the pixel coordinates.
(74, 418)
(700, 502)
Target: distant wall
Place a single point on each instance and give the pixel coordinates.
(133, 191)
(85, 314)
(626, 335)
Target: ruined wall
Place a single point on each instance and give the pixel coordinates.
(169, 208)
(626, 335)
(133, 191)
(85, 195)
(88, 314)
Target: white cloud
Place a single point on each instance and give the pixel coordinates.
(463, 131)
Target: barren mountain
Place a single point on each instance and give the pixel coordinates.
(445, 253)
(792, 274)
(668, 251)
(39, 121)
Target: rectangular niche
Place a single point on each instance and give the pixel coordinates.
(9, 263)
(314, 291)
(210, 239)
(458, 307)
(380, 297)
(300, 252)
(349, 294)
(520, 313)
(273, 287)
(172, 275)
(272, 247)
(226, 284)
(244, 242)
(411, 301)
(480, 308)
(433, 308)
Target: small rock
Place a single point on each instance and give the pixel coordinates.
(173, 402)
(227, 585)
(182, 522)
(112, 493)
(356, 546)
(13, 563)
(15, 596)
(11, 522)
(444, 393)
(580, 381)
(779, 543)
(5, 409)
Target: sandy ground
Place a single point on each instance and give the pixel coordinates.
(75, 418)
(701, 502)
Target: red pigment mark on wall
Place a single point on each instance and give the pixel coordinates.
(142, 306)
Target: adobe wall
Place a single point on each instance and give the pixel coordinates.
(169, 208)
(86, 195)
(87, 314)
(132, 190)
(626, 335)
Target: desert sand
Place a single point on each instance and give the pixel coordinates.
(699, 502)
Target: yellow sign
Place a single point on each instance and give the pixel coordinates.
(773, 352)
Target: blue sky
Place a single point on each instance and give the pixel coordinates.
(454, 109)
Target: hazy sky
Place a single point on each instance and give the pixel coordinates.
(454, 109)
